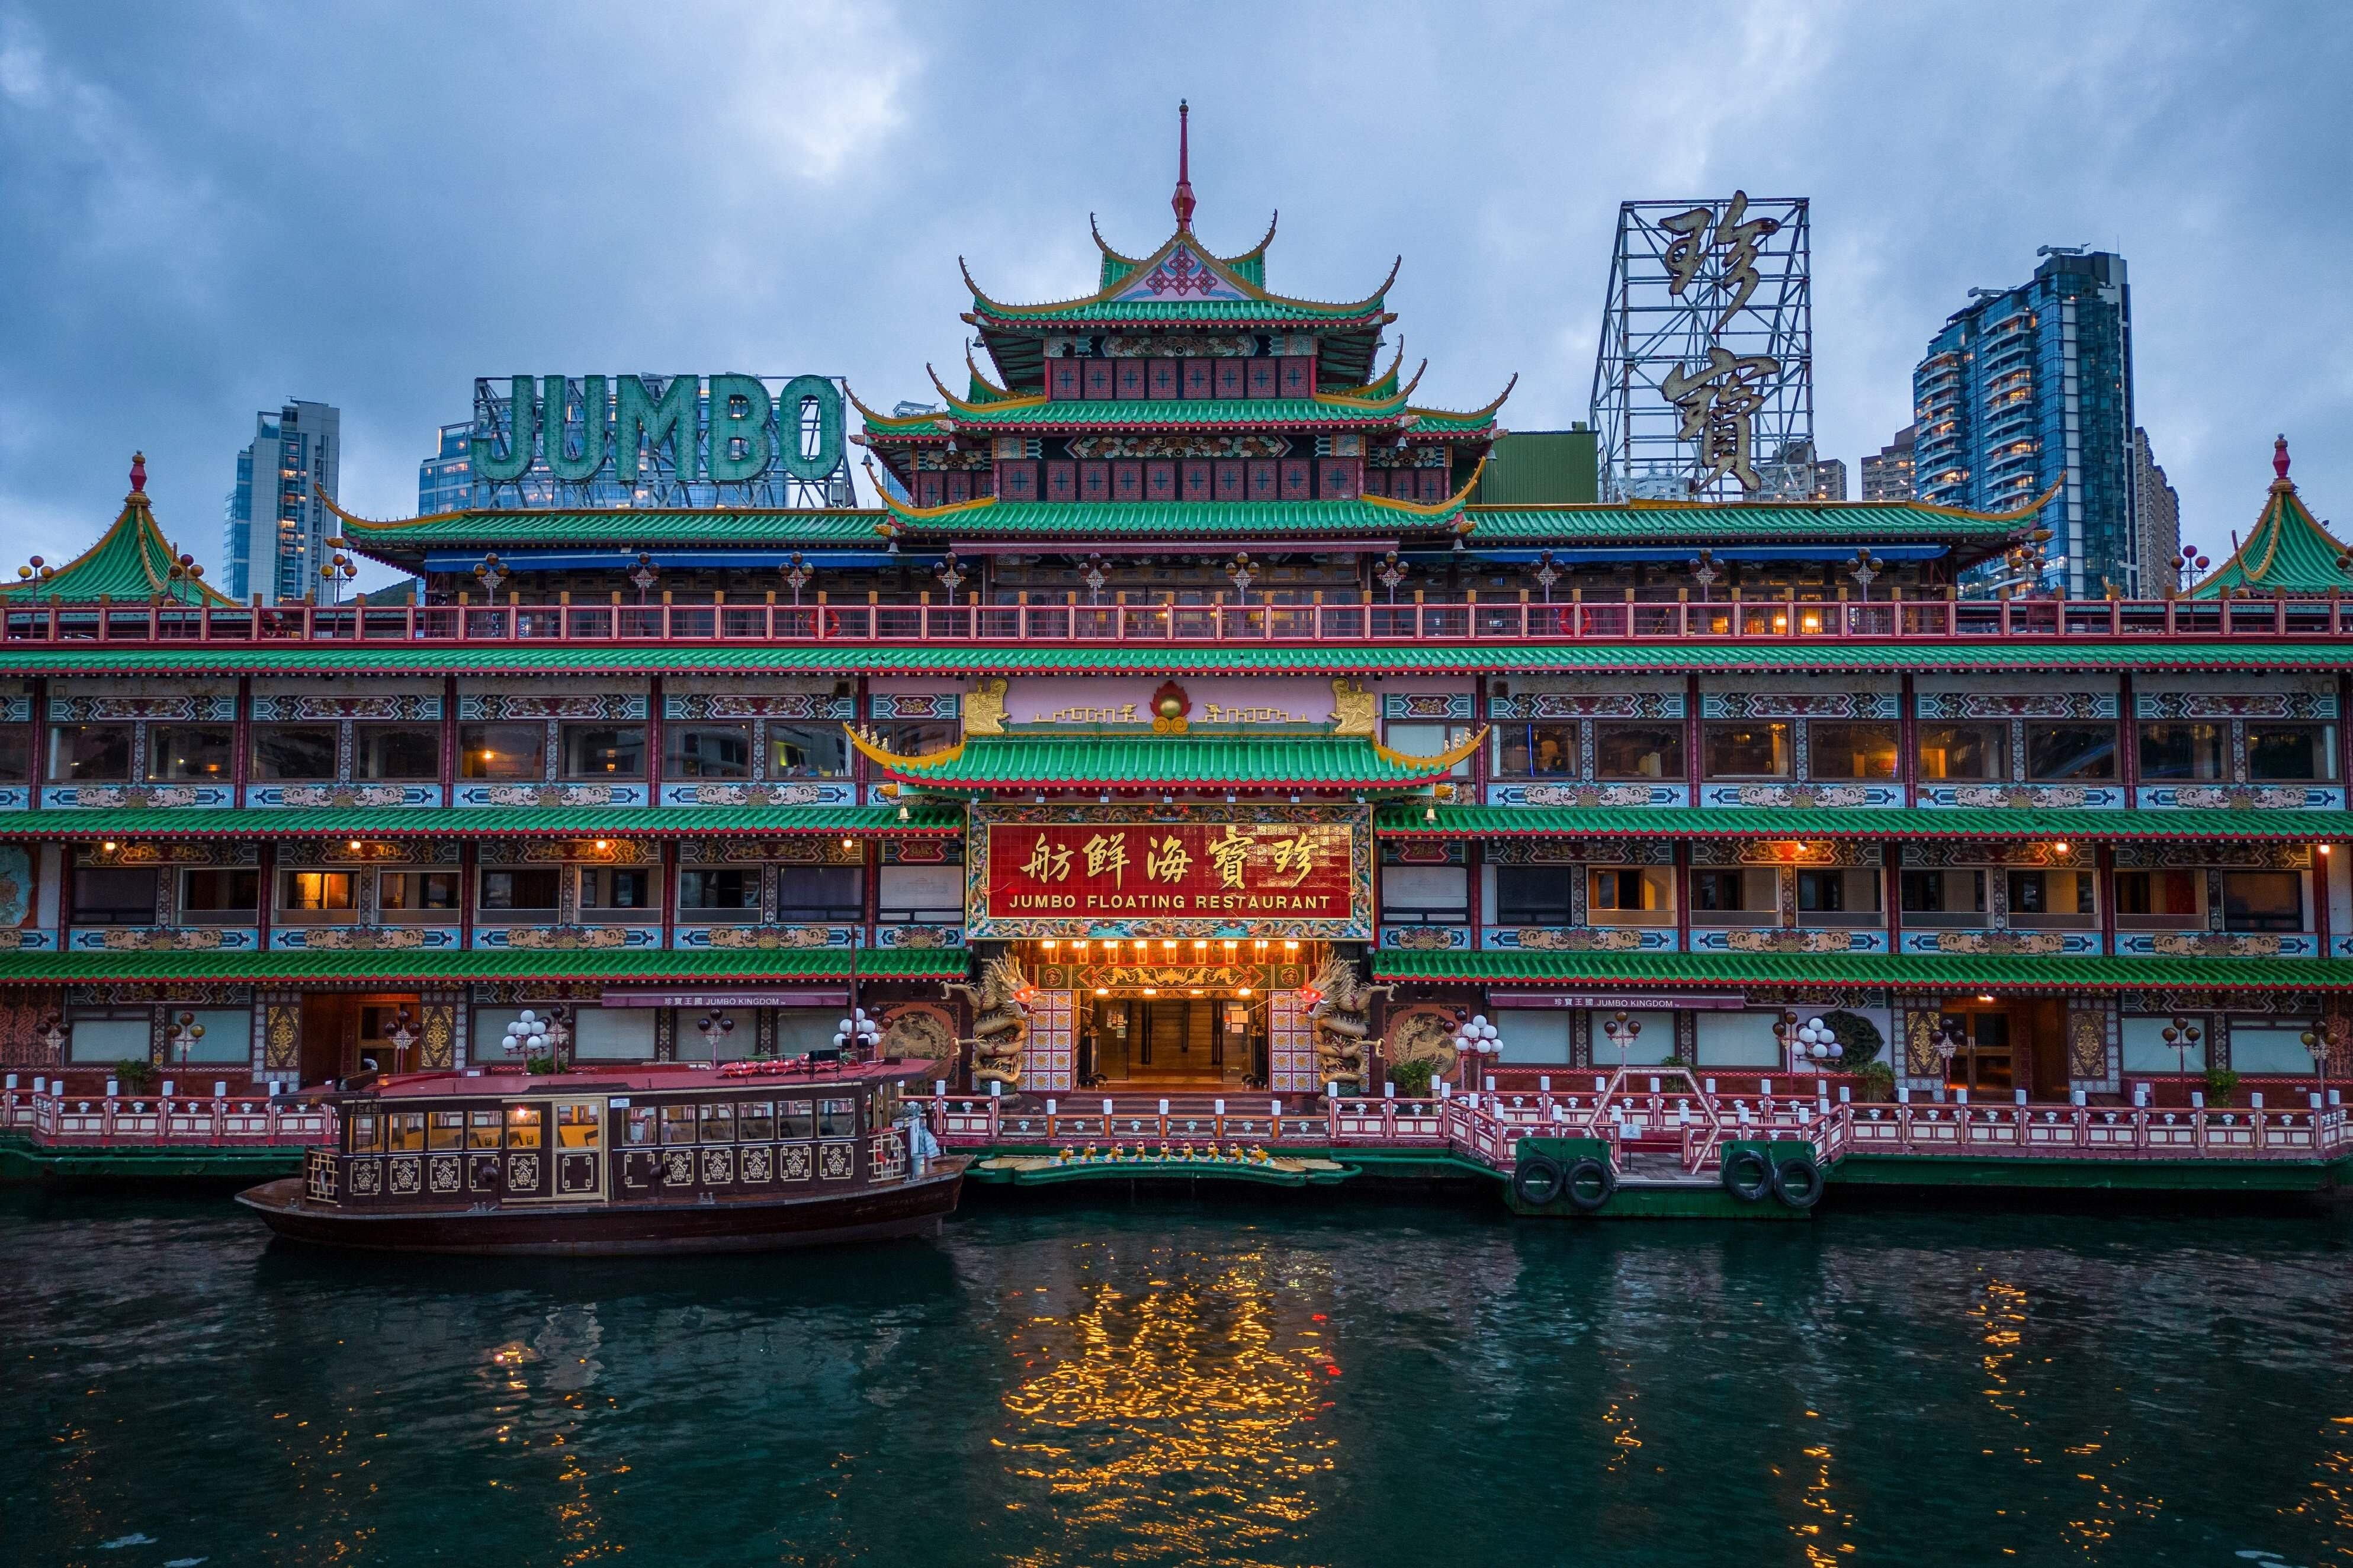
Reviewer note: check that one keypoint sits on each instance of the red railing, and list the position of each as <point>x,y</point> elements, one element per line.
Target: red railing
<point>1413,620</point>
<point>51,1120</point>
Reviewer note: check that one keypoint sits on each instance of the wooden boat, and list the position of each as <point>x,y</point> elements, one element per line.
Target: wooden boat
<point>751,1157</point>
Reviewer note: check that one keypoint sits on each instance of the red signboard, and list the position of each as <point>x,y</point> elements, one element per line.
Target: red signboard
<point>1306,874</point>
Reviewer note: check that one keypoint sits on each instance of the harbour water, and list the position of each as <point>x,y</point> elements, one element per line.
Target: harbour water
<point>1174,1381</point>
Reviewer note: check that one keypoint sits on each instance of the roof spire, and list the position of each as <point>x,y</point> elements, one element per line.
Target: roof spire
<point>2279,460</point>
<point>1183,200</point>
<point>138,473</point>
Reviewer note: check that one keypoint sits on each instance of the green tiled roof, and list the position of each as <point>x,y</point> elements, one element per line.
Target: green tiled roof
<point>624,528</point>
<point>1258,760</point>
<point>501,963</point>
<point>130,562</point>
<point>480,822</point>
<point>1903,973</point>
<point>1795,656</point>
<point>1361,519</point>
<point>2288,552</point>
<point>1411,821</point>
<point>1224,415</point>
<point>1669,522</point>
<point>1202,312</point>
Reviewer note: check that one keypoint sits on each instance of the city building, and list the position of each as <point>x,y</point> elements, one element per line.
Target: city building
<point>2028,392</point>
<point>2156,506</point>
<point>277,516</point>
<point>444,481</point>
<point>1190,734</point>
<point>1887,473</point>
<point>1829,480</point>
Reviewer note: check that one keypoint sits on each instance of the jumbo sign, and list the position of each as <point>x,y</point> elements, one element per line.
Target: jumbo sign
<point>1075,871</point>
<point>725,429</point>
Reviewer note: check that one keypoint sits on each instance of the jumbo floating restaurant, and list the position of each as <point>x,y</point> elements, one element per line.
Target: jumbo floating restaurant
<point>1183,758</point>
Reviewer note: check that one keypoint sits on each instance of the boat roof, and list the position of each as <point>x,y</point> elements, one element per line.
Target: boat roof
<point>492,1083</point>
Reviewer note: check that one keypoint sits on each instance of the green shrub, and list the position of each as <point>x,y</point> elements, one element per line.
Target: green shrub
<point>2222,1083</point>
<point>135,1073</point>
<point>1412,1079</point>
<point>1876,1081</point>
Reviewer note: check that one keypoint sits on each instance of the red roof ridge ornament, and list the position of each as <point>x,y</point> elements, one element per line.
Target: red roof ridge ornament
<point>138,473</point>
<point>1183,200</point>
<point>2279,460</point>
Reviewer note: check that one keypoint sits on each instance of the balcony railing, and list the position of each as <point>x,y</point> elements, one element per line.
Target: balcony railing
<point>1415,619</point>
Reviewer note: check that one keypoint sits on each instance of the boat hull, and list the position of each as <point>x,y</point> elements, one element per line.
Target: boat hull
<point>915,1208</point>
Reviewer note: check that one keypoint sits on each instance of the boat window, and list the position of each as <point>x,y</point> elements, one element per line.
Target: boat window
<point>794,1119</point>
<point>446,1129</point>
<point>482,1129</point>
<point>678,1123</point>
<point>524,1123</point>
<point>366,1134</point>
<point>719,1122</point>
<point>837,1118</point>
<point>640,1125</point>
<point>578,1125</point>
<point>756,1119</point>
<point>407,1131</point>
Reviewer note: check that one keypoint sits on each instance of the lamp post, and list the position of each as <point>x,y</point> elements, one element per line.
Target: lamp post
<point>1391,573</point>
<point>949,577</point>
<point>1705,572</point>
<point>1473,1038</point>
<point>1947,1043</point>
<point>857,1037</point>
<point>645,574</point>
<point>2325,1041</point>
<point>1622,1031</point>
<point>796,576</point>
<point>1864,568</point>
<point>1812,1041</point>
<point>1094,578</point>
<point>490,571</point>
<point>1241,572</point>
<point>403,1035</point>
<point>2181,1034</point>
<point>185,1033</point>
<point>715,1028</point>
<point>526,1036</point>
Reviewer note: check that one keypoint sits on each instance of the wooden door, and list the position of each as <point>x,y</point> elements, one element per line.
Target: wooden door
<point>576,1149</point>
<point>330,1038</point>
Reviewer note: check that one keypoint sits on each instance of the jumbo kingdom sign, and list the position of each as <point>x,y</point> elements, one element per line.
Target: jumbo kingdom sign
<point>1207,871</point>
<point>657,441</point>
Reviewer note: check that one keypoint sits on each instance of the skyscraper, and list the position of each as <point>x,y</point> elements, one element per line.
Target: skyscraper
<point>276,526</point>
<point>1887,473</point>
<point>444,481</point>
<point>2029,388</point>
<point>2158,506</point>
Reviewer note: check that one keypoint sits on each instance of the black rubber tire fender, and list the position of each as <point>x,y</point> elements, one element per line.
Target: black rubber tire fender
<point>1538,1181</point>
<point>1590,1185</point>
<point>1797,1182</point>
<point>1747,1175</point>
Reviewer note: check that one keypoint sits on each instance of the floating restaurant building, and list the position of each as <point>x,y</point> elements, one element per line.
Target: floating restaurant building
<point>1192,728</point>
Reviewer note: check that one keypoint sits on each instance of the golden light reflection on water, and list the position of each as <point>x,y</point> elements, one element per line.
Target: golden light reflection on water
<point>539,1395</point>
<point>1186,1417</point>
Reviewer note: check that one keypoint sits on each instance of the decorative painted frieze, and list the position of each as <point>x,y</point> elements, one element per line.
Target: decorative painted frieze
<point>1455,706</point>
<point>1829,796</point>
<point>326,796</point>
<point>1628,796</point>
<point>1799,705</point>
<point>136,797</point>
<point>913,704</point>
<point>766,938</point>
<point>364,939</point>
<point>484,706</point>
<point>166,939</point>
<point>277,707</point>
<point>795,792</point>
<point>1986,942</point>
<point>526,795</point>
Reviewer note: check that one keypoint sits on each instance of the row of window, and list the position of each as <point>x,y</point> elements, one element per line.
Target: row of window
<point>1203,480</point>
<point>2054,751</point>
<point>1165,380</point>
<point>1543,896</point>
<point>217,895</point>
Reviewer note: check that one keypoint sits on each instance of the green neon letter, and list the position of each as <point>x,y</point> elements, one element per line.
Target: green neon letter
<point>641,421</point>
<point>821,463</point>
<point>521,424</point>
<point>727,428</point>
<point>593,415</point>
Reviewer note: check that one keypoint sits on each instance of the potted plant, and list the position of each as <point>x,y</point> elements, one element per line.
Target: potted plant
<point>1411,1079</point>
<point>136,1074</point>
<point>1875,1082</point>
<point>2222,1083</point>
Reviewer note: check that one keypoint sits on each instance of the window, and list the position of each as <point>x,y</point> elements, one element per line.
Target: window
<point>2146,1050</point>
<point>502,751</point>
<point>2158,897</point>
<point>445,1129</point>
<point>1964,753</point>
<point>810,751</point>
<point>820,893</point>
<point>718,1122</point>
<point>524,1123</point>
<point>89,753</point>
<point>796,1118</point>
<point>1539,1038</point>
<point>1842,892</point>
<point>616,888</point>
<point>707,752</point>
<point>1535,750</point>
<point>604,751</point>
<point>1845,751</point>
<point>1638,751</point>
<point>2182,750</point>
<point>395,752</point>
<point>114,895</point>
<point>2270,1045</point>
<point>837,1118</point>
<point>1712,891</point>
<point>1945,893</point>
<point>186,753</point>
<point>678,1123</point>
<point>755,1120</point>
<point>2262,900</point>
<point>1425,895</point>
<point>928,895</point>
<point>324,893</point>
<point>227,1036</point>
<point>2291,753</point>
<point>518,891</point>
<point>1745,749</point>
<point>16,753</point>
<point>109,1034</point>
<point>1534,895</point>
<point>1737,1040</point>
<point>293,752</point>
<point>405,1132</point>
<point>219,895</point>
<point>2062,751</point>
<point>1642,896</point>
<point>2053,893</point>
<point>481,1129</point>
<point>415,895</point>
<point>1429,738</point>
<point>614,1034</point>
<point>718,892</point>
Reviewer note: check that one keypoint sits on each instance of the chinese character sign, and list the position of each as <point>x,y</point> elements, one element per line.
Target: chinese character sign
<point>1067,870</point>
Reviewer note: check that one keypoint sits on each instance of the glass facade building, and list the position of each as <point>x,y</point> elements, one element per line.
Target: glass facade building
<point>2030,388</point>
<point>444,481</point>
<point>275,526</point>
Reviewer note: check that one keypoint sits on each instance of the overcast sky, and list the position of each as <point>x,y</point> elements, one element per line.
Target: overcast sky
<point>207,209</point>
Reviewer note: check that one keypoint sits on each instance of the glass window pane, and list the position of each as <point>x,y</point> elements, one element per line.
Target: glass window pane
<point>183,754</point>
<point>522,888</point>
<point>2064,752</point>
<point>399,751</point>
<point>2184,751</point>
<point>604,751</point>
<point>1623,751</point>
<point>1852,750</point>
<point>16,752</point>
<point>502,751</point>
<point>1746,749</point>
<point>2291,753</point>
<point>89,753</point>
<point>1964,753</point>
<point>707,752</point>
<point>2262,900</point>
<point>114,895</point>
<point>294,752</point>
<point>819,751</point>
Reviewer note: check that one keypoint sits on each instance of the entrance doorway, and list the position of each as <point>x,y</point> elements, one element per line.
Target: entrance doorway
<point>1200,1042</point>
<point>342,1032</point>
<point>2019,1042</point>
